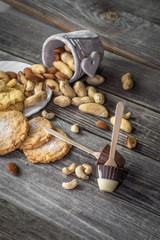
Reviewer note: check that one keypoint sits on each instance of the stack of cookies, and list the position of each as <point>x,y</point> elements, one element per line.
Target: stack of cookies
<point>38,145</point>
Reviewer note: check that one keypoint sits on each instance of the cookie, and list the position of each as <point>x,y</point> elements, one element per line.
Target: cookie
<point>51,151</point>
<point>2,85</point>
<point>10,96</point>
<point>13,130</point>
<point>4,77</point>
<point>37,136</point>
<point>19,106</point>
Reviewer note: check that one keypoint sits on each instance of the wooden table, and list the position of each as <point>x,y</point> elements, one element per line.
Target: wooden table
<point>33,205</point>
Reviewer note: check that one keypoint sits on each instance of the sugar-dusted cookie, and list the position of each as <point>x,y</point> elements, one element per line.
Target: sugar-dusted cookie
<point>51,151</point>
<point>13,130</point>
<point>2,85</point>
<point>19,106</point>
<point>4,76</point>
<point>37,136</point>
<point>10,96</point>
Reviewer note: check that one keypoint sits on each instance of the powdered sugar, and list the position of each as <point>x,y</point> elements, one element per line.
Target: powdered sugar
<point>5,129</point>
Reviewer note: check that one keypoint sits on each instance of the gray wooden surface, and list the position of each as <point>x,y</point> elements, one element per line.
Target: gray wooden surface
<point>33,205</point>
<point>133,34</point>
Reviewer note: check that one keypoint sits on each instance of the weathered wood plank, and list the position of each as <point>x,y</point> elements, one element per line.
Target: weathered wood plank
<point>129,35</point>
<point>85,207</point>
<point>144,130</point>
<point>135,192</point>
<point>112,67</point>
<point>15,223</point>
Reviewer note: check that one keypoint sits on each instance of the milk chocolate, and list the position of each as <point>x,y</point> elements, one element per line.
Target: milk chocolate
<point>109,172</point>
<point>120,161</point>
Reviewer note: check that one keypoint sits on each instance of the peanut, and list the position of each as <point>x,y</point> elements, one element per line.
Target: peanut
<point>67,58</point>
<point>99,98</point>
<point>127,81</point>
<point>80,89</point>
<point>66,89</point>
<point>62,101</point>
<point>67,48</point>
<point>96,80</point>
<point>91,91</point>
<point>76,101</point>
<point>64,68</point>
<point>125,124</point>
<point>94,109</point>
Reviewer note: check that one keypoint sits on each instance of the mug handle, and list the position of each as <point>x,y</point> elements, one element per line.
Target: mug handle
<point>90,64</point>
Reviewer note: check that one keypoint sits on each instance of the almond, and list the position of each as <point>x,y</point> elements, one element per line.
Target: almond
<point>52,70</point>
<point>40,75</point>
<point>27,72</point>
<point>102,125</point>
<point>28,94</point>
<point>34,78</point>
<point>12,74</point>
<point>56,56</point>
<point>49,75</point>
<point>59,50</point>
<point>12,168</point>
<point>61,76</point>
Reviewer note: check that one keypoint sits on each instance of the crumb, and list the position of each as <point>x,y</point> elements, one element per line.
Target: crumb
<point>26,163</point>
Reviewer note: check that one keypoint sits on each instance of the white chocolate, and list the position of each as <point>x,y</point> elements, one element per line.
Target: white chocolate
<point>107,185</point>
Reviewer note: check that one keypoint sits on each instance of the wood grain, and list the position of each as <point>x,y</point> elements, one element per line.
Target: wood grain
<point>46,198</point>
<point>44,210</point>
<point>15,223</point>
<point>20,44</point>
<point>130,35</point>
<point>147,133</point>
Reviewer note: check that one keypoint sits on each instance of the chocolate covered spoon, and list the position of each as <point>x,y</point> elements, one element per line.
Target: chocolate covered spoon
<point>118,118</point>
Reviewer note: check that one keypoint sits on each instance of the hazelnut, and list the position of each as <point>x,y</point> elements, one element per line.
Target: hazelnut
<point>130,142</point>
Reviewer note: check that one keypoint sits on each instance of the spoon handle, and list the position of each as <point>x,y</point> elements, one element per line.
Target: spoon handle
<point>116,127</point>
<point>68,140</point>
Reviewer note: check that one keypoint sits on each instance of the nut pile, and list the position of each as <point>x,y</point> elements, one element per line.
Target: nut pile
<point>81,171</point>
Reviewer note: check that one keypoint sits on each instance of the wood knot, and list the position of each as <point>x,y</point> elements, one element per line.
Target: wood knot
<point>111,15</point>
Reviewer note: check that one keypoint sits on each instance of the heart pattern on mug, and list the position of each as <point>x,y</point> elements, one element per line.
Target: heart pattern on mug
<point>90,64</point>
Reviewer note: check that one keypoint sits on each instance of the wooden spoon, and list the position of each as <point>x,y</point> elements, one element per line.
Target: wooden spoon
<point>68,140</point>
<point>116,127</point>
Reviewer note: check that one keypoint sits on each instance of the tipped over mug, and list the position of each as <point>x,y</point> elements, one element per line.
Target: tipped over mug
<point>85,46</point>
